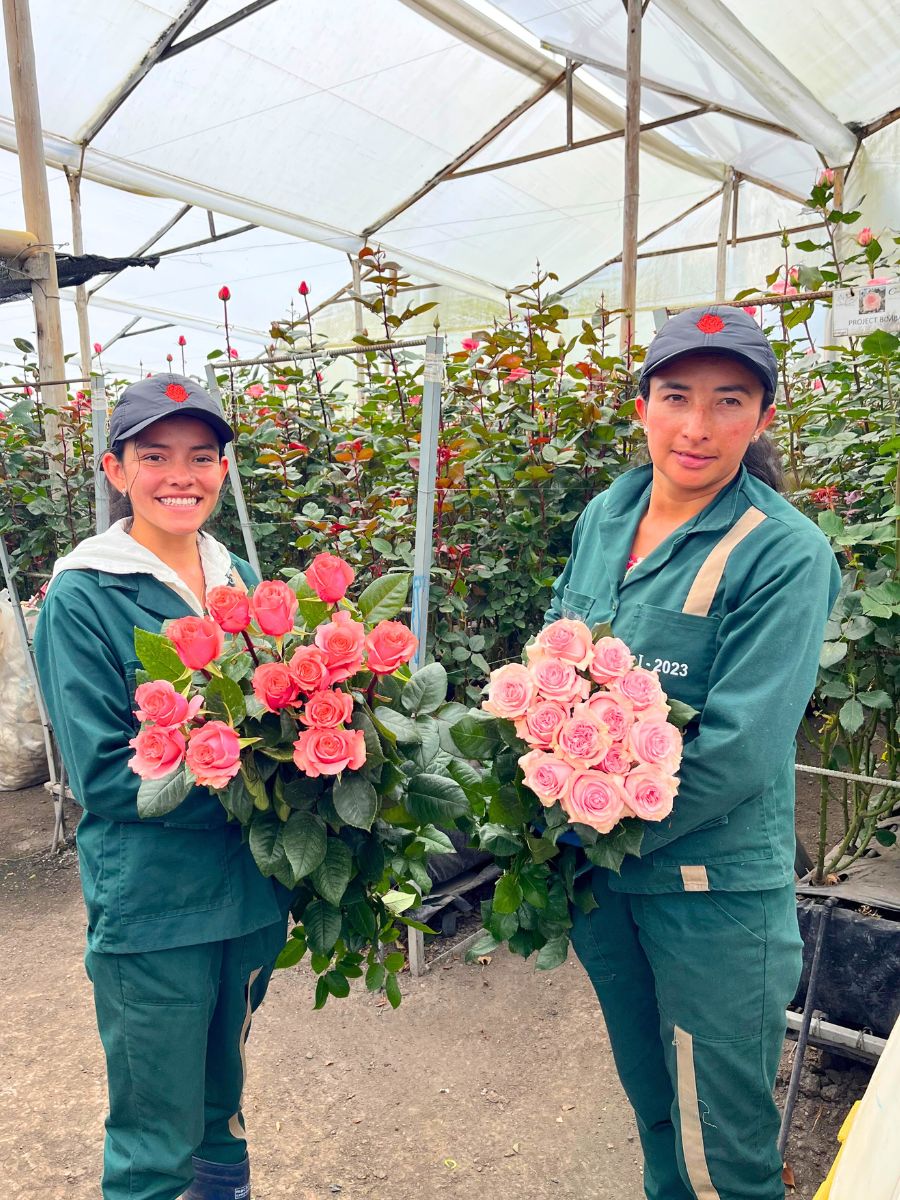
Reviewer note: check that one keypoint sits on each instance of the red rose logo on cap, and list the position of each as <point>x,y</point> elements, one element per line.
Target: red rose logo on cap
<point>710,323</point>
<point>177,393</point>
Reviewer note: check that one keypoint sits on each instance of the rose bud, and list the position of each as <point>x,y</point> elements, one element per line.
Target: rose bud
<point>229,607</point>
<point>273,606</point>
<point>197,640</point>
<point>224,293</point>
<point>329,577</point>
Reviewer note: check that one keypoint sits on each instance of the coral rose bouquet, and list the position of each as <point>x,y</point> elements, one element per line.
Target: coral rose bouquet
<point>584,747</point>
<point>297,708</point>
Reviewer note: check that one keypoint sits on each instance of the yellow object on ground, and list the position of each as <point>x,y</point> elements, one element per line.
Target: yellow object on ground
<point>867,1166</point>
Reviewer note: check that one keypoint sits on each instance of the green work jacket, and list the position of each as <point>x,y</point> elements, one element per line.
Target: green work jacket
<point>177,880</point>
<point>734,632</point>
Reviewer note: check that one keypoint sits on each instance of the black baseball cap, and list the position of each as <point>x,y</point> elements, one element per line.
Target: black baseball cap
<point>161,396</point>
<point>720,330</point>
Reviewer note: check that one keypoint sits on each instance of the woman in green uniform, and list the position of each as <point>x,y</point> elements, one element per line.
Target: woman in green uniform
<point>715,581</point>
<point>183,930</point>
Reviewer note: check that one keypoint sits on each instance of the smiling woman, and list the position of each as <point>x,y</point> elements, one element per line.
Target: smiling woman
<point>181,923</point>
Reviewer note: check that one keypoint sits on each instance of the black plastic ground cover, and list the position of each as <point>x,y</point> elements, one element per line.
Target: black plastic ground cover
<point>859,978</point>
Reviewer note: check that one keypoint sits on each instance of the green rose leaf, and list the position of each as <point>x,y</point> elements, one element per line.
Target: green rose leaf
<point>225,700</point>
<point>375,977</point>
<point>392,991</point>
<point>337,983</point>
<point>435,840</point>
<point>541,849</point>
<point>499,840</point>
<point>400,728</point>
<point>156,797</point>
<point>485,945</point>
<point>832,653</point>
<point>681,714</point>
<point>426,691</point>
<point>331,876</point>
<point>266,845</point>
<point>507,894</point>
<point>374,752</point>
<point>355,800</point>
<point>237,800</point>
<point>291,954</point>
<point>435,800</point>
<point>305,843</point>
<point>322,922</point>
<point>476,736</point>
<point>398,902</point>
<point>851,715</point>
<point>383,599</point>
<point>159,657</point>
<point>553,953</point>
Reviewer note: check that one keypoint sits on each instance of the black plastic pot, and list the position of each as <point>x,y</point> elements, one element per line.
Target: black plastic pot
<point>859,977</point>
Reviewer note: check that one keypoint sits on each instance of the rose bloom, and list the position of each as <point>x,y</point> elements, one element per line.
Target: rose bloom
<point>329,751</point>
<point>214,754</point>
<point>159,702</point>
<point>639,686</point>
<point>583,740</point>
<point>388,645</point>
<point>616,713</point>
<point>649,792</point>
<point>557,680</point>
<point>595,799</point>
<point>657,743</point>
<point>540,723</point>
<point>342,641</point>
<point>611,660</point>
<point>617,760</point>
<point>328,709</point>
<point>546,775</point>
<point>329,577</point>
<point>569,641</point>
<point>309,667</point>
<point>864,237</point>
<point>275,685</point>
<point>157,751</point>
<point>273,605</point>
<point>229,607</point>
<point>197,640</point>
<point>509,692</point>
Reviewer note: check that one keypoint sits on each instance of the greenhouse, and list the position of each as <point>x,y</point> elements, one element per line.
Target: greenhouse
<point>513,583</point>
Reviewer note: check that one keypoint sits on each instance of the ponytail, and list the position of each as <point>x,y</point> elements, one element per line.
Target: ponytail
<point>763,460</point>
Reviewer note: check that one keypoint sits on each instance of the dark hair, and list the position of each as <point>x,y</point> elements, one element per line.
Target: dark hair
<point>762,457</point>
<point>119,502</point>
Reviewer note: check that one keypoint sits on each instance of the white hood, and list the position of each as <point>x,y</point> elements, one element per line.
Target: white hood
<point>117,553</point>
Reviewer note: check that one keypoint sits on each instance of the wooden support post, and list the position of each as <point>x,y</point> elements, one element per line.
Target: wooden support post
<point>722,242</point>
<point>36,198</point>
<point>632,171</point>
<point>358,322</point>
<point>81,292</point>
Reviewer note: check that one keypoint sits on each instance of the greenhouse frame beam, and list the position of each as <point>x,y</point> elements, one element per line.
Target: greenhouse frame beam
<point>486,138</point>
<point>715,29</point>
<point>477,29</point>
<point>613,135</point>
<point>169,317</point>
<point>219,27</point>
<point>653,85</point>
<point>147,63</point>
<point>215,237</point>
<point>879,123</point>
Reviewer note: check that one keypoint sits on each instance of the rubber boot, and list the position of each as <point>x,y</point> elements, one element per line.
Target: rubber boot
<point>219,1181</point>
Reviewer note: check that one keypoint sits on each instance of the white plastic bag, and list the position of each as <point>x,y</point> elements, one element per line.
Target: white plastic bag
<point>23,761</point>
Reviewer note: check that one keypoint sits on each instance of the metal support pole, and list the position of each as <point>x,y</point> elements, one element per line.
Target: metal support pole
<point>424,550</point>
<point>803,1036</point>
<point>57,789</point>
<point>632,171</point>
<point>234,475</point>
<point>570,135</point>
<point>722,242</point>
<point>98,433</point>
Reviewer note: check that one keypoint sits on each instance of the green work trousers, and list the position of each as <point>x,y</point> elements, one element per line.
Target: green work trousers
<point>173,1025</point>
<point>693,987</point>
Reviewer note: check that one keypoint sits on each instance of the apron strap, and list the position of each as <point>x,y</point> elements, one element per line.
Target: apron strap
<point>700,597</point>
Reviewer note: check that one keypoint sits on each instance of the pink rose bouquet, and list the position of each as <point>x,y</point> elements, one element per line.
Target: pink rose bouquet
<point>297,707</point>
<point>583,746</point>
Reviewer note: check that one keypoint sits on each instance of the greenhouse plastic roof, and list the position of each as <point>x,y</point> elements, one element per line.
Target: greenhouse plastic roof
<point>324,125</point>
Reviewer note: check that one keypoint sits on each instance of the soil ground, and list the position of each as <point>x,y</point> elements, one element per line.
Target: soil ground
<point>489,1081</point>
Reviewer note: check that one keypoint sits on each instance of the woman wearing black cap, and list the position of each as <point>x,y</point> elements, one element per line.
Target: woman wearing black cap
<point>719,584</point>
<point>183,930</point>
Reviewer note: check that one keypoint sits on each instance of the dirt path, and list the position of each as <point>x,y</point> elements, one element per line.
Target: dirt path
<point>486,1083</point>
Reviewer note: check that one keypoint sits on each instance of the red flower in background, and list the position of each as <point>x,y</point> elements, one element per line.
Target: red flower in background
<point>225,293</point>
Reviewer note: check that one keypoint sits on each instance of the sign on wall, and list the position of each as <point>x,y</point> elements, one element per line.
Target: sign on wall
<point>862,309</point>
